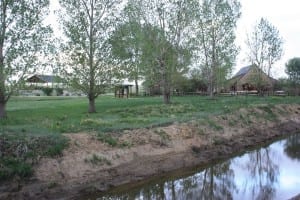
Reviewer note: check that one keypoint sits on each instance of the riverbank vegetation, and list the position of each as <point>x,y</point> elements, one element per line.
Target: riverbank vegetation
<point>36,125</point>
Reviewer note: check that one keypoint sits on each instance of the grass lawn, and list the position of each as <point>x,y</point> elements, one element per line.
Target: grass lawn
<point>44,115</point>
<point>34,124</point>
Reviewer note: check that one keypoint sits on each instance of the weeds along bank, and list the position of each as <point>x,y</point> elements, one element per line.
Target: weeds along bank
<point>35,126</point>
<point>100,160</point>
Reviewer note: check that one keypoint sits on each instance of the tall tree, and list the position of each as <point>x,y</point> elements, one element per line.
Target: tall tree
<point>22,39</point>
<point>165,34</point>
<point>126,49</point>
<point>215,39</point>
<point>265,45</point>
<point>87,26</point>
<point>292,68</point>
<point>163,62</point>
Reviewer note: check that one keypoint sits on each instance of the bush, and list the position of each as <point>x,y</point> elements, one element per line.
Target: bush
<point>59,91</point>
<point>47,91</point>
<point>18,152</point>
<point>13,166</point>
<point>108,139</point>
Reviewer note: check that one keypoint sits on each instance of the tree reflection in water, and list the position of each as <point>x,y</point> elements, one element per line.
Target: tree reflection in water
<point>255,175</point>
<point>216,182</point>
<point>264,174</point>
<point>292,147</point>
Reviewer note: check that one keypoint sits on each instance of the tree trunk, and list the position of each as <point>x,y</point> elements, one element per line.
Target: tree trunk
<point>211,88</point>
<point>167,98</point>
<point>3,96</point>
<point>92,107</point>
<point>136,87</point>
<point>211,188</point>
<point>166,91</point>
<point>165,85</point>
<point>2,110</point>
<point>213,67</point>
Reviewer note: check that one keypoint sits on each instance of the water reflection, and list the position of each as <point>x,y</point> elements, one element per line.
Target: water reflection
<point>262,174</point>
<point>292,147</point>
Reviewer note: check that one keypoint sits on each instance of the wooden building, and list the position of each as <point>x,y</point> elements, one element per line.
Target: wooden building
<point>123,90</point>
<point>251,78</point>
<point>45,81</point>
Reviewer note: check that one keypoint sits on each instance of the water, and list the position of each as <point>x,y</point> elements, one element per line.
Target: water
<point>271,172</point>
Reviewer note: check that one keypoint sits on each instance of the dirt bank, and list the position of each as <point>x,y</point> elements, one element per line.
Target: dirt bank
<point>89,165</point>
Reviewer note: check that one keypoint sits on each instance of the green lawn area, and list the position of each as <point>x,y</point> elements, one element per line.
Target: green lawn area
<point>43,115</point>
<point>34,124</point>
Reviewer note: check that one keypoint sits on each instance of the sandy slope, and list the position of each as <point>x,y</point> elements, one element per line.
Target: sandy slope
<point>151,152</point>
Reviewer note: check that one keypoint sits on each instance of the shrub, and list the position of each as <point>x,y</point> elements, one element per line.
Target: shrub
<point>59,91</point>
<point>13,166</point>
<point>108,139</point>
<point>18,152</point>
<point>47,91</point>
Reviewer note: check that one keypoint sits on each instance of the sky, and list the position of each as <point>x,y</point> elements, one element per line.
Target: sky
<point>283,14</point>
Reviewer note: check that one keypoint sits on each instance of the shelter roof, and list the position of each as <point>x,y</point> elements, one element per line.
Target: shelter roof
<point>243,71</point>
<point>44,79</point>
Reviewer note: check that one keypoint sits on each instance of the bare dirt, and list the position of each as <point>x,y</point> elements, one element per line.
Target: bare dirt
<point>89,165</point>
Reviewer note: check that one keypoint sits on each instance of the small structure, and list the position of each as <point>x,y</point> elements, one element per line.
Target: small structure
<point>250,78</point>
<point>38,85</point>
<point>45,80</point>
<point>123,90</point>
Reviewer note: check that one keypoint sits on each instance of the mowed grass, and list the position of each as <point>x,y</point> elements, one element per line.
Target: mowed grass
<point>44,115</point>
<point>35,125</point>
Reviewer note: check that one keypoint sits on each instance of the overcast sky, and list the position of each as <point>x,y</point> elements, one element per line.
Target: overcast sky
<point>283,14</point>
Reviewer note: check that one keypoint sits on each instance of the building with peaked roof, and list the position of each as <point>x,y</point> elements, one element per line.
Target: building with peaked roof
<point>44,79</point>
<point>251,78</point>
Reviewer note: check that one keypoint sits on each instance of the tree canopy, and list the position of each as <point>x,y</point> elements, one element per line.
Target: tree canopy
<point>88,26</point>
<point>23,39</point>
<point>215,39</point>
<point>126,46</point>
<point>265,45</point>
<point>292,68</point>
<point>163,46</point>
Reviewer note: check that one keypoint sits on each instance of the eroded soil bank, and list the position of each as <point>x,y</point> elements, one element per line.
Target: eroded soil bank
<point>89,165</point>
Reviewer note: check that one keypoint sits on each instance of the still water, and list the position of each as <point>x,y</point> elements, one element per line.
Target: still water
<point>271,172</point>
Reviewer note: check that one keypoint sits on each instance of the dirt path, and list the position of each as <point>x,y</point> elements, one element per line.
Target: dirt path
<point>89,165</point>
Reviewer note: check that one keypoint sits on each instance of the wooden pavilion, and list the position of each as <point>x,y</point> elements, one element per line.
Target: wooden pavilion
<point>123,90</point>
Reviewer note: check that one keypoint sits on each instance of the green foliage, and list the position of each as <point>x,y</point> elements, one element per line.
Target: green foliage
<point>36,123</point>
<point>215,42</point>
<point>107,138</point>
<point>214,125</point>
<point>55,146</point>
<point>19,151</point>
<point>92,122</point>
<point>265,45</point>
<point>47,91</point>
<point>59,91</point>
<point>126,44</point>
<point>10,167</point>
<point>245,119</point>
<point>268,113</point>
<point>153,110</point>
<point>292,68</point>
<point>22,35</point>
<point>87,26</point>
<point>158,44</point>
<point>45,115</point>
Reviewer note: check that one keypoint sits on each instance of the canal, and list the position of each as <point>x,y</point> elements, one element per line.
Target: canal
<point>269,172</point>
